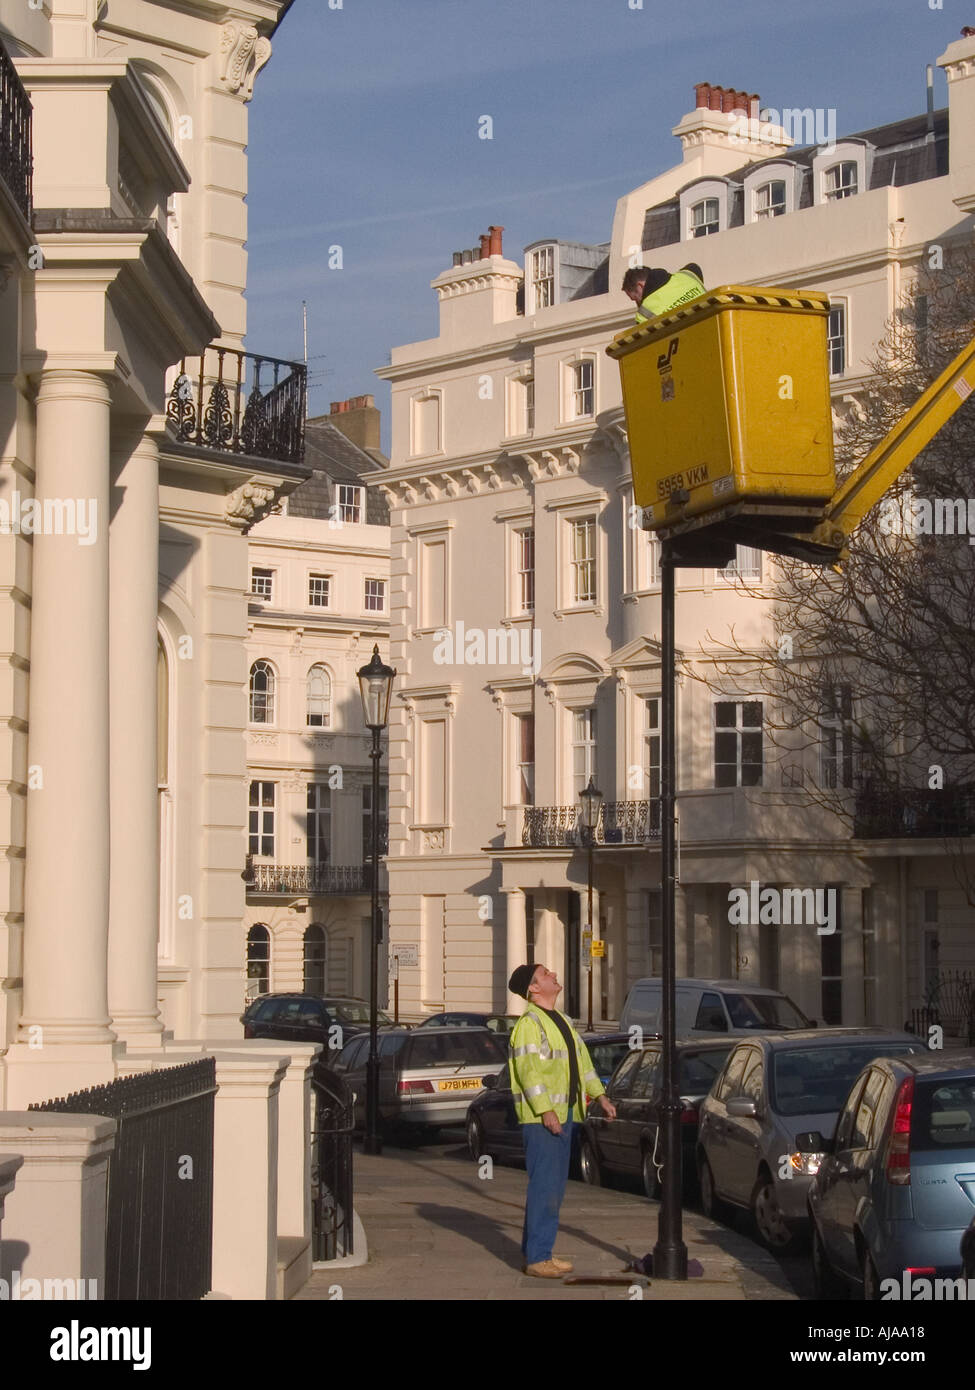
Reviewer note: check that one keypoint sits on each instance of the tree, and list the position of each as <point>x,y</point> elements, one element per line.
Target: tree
<point>872,667</point>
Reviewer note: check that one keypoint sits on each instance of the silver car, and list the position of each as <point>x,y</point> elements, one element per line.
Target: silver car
<point>773,1088</point>
<point>427,1076</point>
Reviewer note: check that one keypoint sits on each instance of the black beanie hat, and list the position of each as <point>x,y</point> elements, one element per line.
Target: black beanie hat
<point>521,978</point>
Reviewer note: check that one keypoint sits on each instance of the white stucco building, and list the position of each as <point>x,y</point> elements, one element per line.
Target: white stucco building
<point>319,602</point>
<point>512,531</point>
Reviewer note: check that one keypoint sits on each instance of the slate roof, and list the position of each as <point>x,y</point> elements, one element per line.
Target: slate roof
<point>901,155</point>
<point>335,459</point>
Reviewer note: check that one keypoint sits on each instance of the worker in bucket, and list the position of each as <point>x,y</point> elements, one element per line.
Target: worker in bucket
<point>656,291</point>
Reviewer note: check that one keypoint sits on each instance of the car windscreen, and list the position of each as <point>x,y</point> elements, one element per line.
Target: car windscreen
<point>606,1056</point>
<point>698,1069</point>
<point>943,1114</point>
<point>352,1011</point>
<point>764,1011</point>
<point>468,1048</point>
<point>816,1080</point>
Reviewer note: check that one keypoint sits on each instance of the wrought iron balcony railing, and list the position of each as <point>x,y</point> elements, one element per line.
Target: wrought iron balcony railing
<point>620,823</point>
<point>315,879</point>
<point>16,154</point>
<point>240,403</point>
<point>884,813</point>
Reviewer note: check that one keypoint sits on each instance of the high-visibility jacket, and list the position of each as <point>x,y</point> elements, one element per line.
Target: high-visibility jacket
<point>538,1062</point>
<point>681,288</point>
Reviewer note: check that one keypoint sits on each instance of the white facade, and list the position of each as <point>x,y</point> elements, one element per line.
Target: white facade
<point>510,425</point>
<point>308,753</point>
<point>125,792</point>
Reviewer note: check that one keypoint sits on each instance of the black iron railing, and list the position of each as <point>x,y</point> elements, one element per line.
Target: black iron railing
<point>160,1179</point>
<point>908,812</point>
<point>331,1174</point>
<point>327,879</point>
<point>949,1004</point>
<point>620,823</point>
<point>239,403</point>
<point>16,154</point>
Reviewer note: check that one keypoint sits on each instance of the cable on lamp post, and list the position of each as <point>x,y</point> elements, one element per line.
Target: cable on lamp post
<point>590,809</point>
<point>375,689</point>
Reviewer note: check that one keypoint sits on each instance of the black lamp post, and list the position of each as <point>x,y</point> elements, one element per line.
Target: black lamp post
<point>375,688</point>
<point>590,807</point>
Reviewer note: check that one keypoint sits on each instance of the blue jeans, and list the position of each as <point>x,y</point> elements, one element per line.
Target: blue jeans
<point>547,1160</point>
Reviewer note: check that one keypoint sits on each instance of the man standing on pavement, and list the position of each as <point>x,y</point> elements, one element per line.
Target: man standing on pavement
<point>551,1076</point>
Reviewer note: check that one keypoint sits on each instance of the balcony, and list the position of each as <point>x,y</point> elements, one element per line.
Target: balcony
<point>309,880</point>
<point>239,403</point>
<point>16,156</point>
<point>884,813</point>
<point>620,823</point>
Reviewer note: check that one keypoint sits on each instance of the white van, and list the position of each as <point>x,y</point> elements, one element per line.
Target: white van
<point>713,1006</point>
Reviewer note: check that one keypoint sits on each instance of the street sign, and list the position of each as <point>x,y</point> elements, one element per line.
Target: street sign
<point>406,955</point>
<point>395,968</point>
<point>599,948</point>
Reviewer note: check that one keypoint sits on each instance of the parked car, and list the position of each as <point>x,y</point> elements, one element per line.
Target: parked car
<point>895,1188</point>
<point>426,1075</point>
<point>492,1125</point>
<point>498,1023</point>
<point>773,1088</point>
<point>626,1146</point>
<point>712,1006</point>
<point>308,1018</point>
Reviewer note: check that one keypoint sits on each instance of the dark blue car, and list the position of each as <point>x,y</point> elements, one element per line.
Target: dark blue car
<point>492,1126</point>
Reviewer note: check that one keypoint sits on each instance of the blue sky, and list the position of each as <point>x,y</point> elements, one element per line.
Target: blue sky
<point>364,134</point>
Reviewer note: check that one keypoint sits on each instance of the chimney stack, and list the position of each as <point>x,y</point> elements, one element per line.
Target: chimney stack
<point>358,419</point>
<point>494,245</point>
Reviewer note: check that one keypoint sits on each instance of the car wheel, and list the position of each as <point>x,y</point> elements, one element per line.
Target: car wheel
<point>711,1203</point>
<point>871,1283</point>
<point>648,1170</point>
<point>475,1139</point>
<point>829,1285</point>
<point>589,1164</point>
<point>773,1229</point>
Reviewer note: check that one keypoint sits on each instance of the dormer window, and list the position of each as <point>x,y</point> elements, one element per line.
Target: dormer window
<point>704,208</point>
<point>843,171</point>
<point>541,278</point>
<point>704,217</point>
<point>770,200</point>
<point>840,181</point>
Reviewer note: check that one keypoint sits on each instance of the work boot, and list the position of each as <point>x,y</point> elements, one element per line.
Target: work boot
<point>545,1269</point>
<point>566,1266</point>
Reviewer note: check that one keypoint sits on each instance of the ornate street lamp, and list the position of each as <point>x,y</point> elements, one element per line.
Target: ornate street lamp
<point>375,688</point>
<point>590,809</point>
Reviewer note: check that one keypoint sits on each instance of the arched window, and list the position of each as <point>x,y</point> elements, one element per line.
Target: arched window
<point>258,961</point>
<point>319,698</point>
<point>314,976</point>
<point>262,693</point>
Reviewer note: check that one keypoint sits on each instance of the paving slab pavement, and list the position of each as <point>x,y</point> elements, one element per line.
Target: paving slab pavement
<point>437,1230</point>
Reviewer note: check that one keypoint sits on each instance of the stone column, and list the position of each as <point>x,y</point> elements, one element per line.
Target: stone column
<point>64,1041</point>
<point>517,944</point>
<point>133,930</point>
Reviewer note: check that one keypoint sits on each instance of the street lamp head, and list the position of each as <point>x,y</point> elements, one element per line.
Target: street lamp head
<point>375,688</point>
<point>590,804</point>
